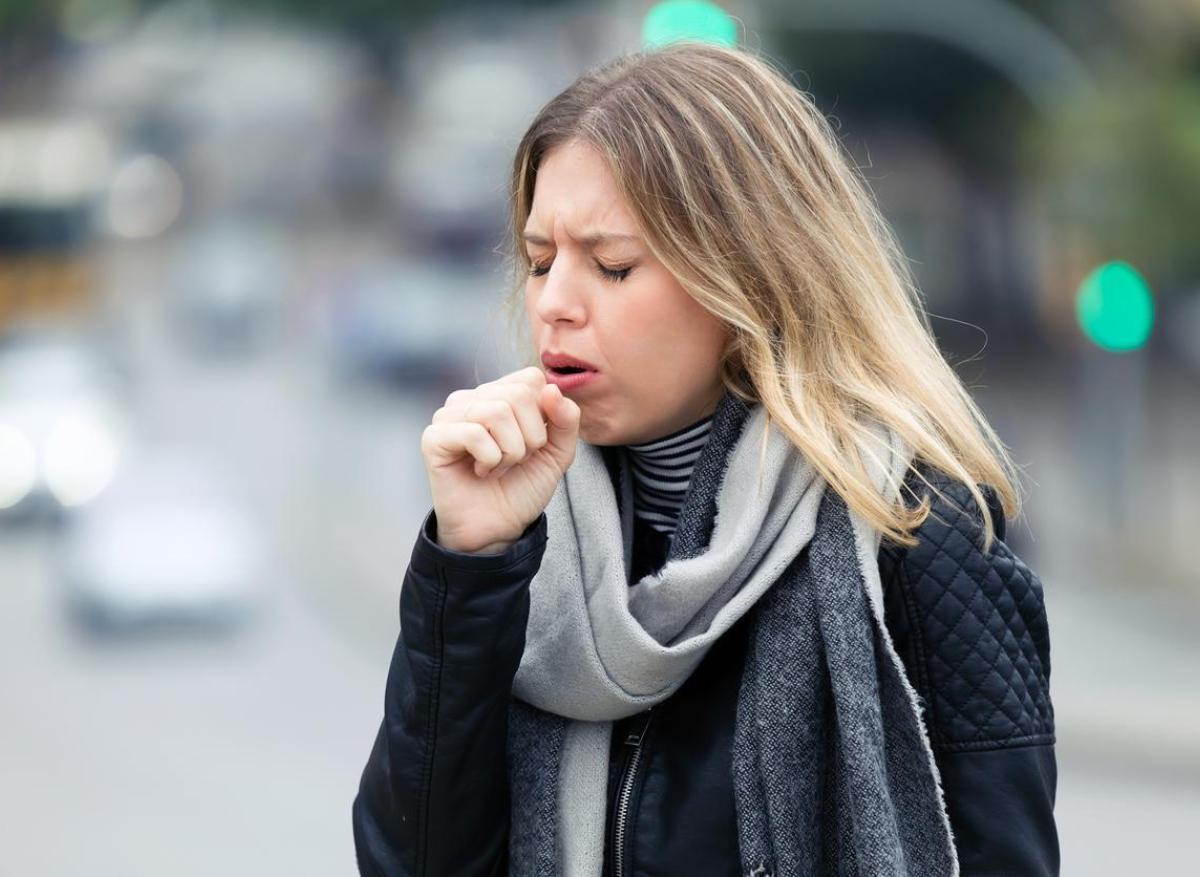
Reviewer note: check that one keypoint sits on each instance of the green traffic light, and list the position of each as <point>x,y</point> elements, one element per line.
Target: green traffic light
<point>688,20</point>
<point>1115,308</point>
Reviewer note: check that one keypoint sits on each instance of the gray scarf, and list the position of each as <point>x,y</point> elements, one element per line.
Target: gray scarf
<point>833,771</point>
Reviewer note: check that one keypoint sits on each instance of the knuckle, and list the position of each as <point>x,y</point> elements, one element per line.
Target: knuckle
<point>429,438</point>
<point>519,395</point>
<point>485,409</point>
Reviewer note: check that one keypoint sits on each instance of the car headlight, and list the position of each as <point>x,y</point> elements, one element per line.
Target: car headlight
<point>18,465</point>
<point>81,457</point>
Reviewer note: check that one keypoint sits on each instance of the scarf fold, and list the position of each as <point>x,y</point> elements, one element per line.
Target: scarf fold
<point>833,772</point>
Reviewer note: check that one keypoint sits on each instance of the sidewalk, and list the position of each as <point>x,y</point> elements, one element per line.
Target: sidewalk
<point>1125,673</point>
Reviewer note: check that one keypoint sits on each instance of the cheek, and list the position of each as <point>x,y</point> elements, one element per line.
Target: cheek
<point>527,301</point>
<point>666,325</point>
<point>644,331</point>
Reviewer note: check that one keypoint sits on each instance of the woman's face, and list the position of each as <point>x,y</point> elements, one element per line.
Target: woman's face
<point>596,293</point>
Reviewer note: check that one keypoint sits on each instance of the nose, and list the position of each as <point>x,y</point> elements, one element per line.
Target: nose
<point>560,297</point>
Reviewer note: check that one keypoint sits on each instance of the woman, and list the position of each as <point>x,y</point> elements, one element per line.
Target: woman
<point>719,586</point>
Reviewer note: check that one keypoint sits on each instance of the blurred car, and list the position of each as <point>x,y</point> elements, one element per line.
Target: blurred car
<point>232,279</point>
<point>170,543</point>
<point>62,421</point>
<point>411,325</point>
<point>470,99</point>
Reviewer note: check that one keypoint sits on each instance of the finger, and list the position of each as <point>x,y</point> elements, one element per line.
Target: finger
<point>444,444</point>
<point>562,424</point>
<point>523,400</point>
<point>459,398</point>
<point>531,375</point>
<point>501,421</point>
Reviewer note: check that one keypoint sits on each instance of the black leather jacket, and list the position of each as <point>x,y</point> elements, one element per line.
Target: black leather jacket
<point>970,628</point>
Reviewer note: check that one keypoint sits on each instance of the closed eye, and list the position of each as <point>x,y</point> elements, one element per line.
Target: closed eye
<point>613,274</point>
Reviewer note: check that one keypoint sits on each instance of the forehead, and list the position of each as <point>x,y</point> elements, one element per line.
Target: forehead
<point>575,187</point>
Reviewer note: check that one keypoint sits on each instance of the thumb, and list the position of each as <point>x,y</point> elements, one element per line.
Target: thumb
<point>562,423</point>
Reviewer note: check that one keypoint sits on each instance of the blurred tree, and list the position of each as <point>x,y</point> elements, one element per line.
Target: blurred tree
<point>378,25</point>
<point>1124,169</point>
<point>368,19</point>
<point>16,10</point>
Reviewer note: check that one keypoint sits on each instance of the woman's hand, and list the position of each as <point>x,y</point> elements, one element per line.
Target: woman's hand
<point>494,456</point>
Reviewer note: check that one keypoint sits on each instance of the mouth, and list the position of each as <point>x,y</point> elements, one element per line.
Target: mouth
<point>564,363</point>
<point>569,377</point>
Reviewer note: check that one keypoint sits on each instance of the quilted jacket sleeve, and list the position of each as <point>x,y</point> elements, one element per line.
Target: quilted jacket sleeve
<point>433,799</point>
<point>972,631</point>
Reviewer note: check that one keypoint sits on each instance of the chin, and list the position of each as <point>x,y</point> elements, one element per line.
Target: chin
<point>591,436</point>
<point>595,433</point>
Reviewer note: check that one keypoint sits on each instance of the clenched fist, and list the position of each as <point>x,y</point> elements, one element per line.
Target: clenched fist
<point>494,456</point>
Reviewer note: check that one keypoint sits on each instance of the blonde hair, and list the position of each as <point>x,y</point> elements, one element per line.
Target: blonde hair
<point>745,195</point>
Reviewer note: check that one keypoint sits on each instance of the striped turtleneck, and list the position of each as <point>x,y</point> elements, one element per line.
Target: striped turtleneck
<point>661,471</point>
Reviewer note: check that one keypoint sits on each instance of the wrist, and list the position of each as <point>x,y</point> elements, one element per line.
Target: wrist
<point>461,551</point>
<point>490,548</point>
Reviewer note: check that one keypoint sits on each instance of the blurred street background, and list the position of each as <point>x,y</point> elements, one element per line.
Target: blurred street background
<point>248,246</point>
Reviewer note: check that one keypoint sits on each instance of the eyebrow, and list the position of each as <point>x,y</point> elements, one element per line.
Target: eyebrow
<point>589,240</point>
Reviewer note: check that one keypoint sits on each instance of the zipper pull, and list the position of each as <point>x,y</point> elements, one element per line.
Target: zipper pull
<point>636,733</point>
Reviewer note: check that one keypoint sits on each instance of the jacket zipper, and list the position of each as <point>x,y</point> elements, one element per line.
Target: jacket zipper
<point>625,794</point>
